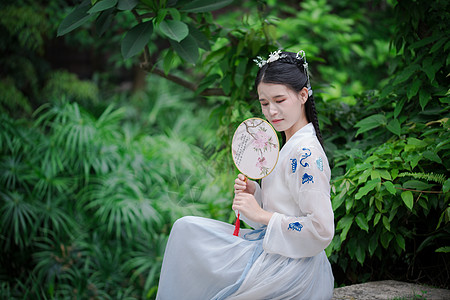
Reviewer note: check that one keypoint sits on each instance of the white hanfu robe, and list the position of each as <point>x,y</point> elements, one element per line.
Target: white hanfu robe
<point>283,260</point>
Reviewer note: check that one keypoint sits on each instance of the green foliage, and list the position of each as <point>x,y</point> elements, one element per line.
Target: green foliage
<point>87,201</point>
<point>391,202</point>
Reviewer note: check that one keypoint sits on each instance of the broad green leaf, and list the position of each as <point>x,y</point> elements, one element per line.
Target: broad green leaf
<point>417,185</point>
<point>394,127</point>
<point>385,174</point>
<point>373,244</point>
<point>362,222</point>
<point>198,6</point>
<point>386,223</point>
<point>168,61</point>
<point>385,239</point>
<point>445,249</point>
<point>175,30</point>
<point>431,68</point>
<point>136,39</point>
<point>344,224</point>
<point>398,107</point>
<point>360,254</point>
<point>104,21</point>
<point>414,88</point>
<point>102,5</point>
<point>432,156</point>
<point>400,241</point>
<point>200,38</point>
<point>75,19</point>
<point>187,49</point>
<point>446,186</point>
<point>370,185</point>
<point>376,219</point>
<point>408,199</point>
<point>406,73</point>
<point>424,98</point>
<point>127,4</point>
<point>390,187</point>
<point>369,123</point>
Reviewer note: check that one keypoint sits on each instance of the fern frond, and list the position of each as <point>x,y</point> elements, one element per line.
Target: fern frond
<point>439,178</point>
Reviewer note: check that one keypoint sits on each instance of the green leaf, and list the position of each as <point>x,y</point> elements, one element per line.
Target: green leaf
<point>424,98</point>
<point>362,222</point>
<point>431,68</point>
<point>369,123</point>
<point>385,239</point>
<point>200,38</point>
<point>394,127</point>
<point>414,88</point>
<point>136,39</point>
<point>376,219</point>
<point>406,74</point>
<point>75,19</point>
<point>104,21</point>
<point>344,223</point>
<point>198,6</point>
<point>417,185</point>
<point>432,156</point>
<point>445,249</point>
<point>386,223</point>
<point>400,241</point>
<point>446,186</point>
<point>168,61</point>
<point>373,244</point>
<point>408,199</point>
<point>187,49</point>
<point>390,187</point>
<point>370,185</point>
<point>127,4</point>
<point>175,30</point>
<point>102,5</point>
<point>360,254</point>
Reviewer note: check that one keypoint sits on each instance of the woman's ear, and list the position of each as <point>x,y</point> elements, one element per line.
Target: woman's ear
<point>303,95</point>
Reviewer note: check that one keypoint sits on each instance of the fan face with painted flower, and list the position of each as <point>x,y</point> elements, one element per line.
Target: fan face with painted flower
<point>255,148</point>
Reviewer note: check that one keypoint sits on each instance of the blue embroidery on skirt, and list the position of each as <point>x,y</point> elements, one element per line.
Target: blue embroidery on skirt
<point>319,163</point>
<point>307,178</point>
<point>293,164</point>
<point>304,156</point>
<point>295,226</point>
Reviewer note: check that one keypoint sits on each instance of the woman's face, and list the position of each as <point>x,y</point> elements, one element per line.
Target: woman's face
<point>283,107</point>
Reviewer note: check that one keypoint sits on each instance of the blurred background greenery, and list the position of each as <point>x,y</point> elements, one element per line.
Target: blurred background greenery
<point>116,119</point>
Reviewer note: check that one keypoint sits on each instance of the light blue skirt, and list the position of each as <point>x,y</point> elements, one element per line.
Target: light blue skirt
<point>204,260</point>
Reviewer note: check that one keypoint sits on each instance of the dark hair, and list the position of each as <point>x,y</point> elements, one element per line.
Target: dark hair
<point>289,71</point>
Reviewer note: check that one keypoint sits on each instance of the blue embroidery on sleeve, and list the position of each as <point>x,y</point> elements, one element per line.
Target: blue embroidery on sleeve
<point>304,156</point>
<point>293,164</point>
<point>307,178</point>
<point>319,163</point>
<point>295,226</point>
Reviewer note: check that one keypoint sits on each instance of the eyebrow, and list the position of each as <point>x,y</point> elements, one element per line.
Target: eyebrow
<point>275,97</point>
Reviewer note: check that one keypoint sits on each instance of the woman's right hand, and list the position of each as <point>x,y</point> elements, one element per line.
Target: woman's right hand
<point>243,185</point>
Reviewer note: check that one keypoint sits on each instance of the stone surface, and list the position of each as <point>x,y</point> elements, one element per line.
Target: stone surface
<point>391,290</point>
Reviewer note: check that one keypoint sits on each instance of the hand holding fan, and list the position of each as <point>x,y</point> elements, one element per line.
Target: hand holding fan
<point>255,151</point>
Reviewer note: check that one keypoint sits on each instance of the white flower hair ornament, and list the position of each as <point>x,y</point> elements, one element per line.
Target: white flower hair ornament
<point>276,55</point>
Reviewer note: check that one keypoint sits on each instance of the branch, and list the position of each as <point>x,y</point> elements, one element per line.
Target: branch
<point>147,66</point>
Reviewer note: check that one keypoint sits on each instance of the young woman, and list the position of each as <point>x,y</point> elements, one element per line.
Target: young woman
<point>283,256</point>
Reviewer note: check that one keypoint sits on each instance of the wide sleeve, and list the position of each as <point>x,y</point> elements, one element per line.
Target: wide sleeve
<point>310,232</point>
<point>258,198</point>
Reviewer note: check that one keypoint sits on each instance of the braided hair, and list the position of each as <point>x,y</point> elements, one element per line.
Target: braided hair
<point>289,70</point>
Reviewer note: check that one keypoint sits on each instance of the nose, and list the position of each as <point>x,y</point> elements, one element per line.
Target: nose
<point>273,110</point>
